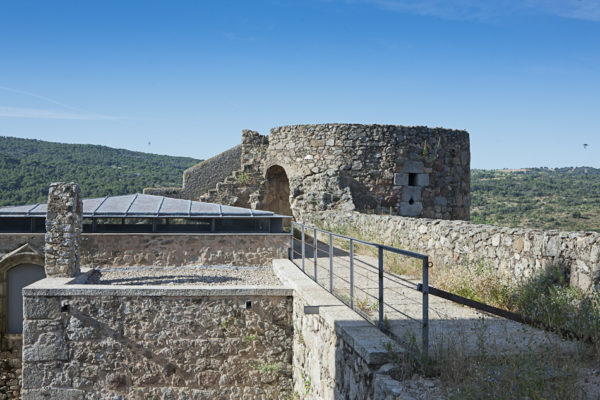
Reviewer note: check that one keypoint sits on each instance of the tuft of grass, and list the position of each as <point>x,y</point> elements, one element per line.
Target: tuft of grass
<point>536,373</point>
<point>266,368</point>
<point>250,338</point>
<point>549,299</point>
<point>477,281</point>
<point>365,305</point>
<point>243,178</point>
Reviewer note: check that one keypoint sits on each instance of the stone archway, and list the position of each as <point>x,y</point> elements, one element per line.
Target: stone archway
<point>277,191</point>
<point>17,278</point>
<point>23,256</point>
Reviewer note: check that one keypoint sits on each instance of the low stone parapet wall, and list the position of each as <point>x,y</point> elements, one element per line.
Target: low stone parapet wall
<point>244,249</point>
<point>84,341</point>
<point>519,253</point>
<point>337,354</point>
<point>173,249</point>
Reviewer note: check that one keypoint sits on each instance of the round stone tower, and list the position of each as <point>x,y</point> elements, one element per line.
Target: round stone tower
<point>410,171</point>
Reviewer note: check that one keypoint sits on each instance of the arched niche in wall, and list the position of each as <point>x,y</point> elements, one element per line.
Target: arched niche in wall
<point>277,191</point>
<point>19,268</point>
<point>17,278</point>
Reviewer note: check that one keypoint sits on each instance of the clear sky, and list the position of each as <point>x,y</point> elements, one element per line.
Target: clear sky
<point>185,77</point>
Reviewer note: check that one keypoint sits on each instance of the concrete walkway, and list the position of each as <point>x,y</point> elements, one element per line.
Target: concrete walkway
<point>451,325</point>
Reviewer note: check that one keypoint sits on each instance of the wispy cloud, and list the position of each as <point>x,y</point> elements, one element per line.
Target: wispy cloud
<point>490,9</point>
<point>19,112</point>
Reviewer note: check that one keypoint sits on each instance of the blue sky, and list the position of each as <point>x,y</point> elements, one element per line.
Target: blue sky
<point>185,77</point>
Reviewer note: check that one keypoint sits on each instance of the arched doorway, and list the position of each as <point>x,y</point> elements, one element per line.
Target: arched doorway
<point>277,191</point>
<point>17,278</point>
<point>19,268</point>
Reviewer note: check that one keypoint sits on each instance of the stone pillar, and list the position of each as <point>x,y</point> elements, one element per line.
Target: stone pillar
<point>63,230</point>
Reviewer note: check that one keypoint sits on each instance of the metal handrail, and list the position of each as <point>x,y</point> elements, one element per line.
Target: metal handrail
<point>381,248</point>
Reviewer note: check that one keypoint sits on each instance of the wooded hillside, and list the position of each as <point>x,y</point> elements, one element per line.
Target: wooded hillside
<point>27,167</point>
<point>563,198</point>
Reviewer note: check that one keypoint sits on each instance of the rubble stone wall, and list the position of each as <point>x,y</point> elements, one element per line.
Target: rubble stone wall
<point>158,345</point>
<point>202,177</point>
<point>12,241</point>
<point>112,249</point>
<point>242,186</point>
<point>168,249</point>
<point>412,171</point>
<point>10,366</point>
<point>64,224</point>
<point>326,366</point>
<point>337,354</point>
<point>205,175</point>
<point>518,253</point>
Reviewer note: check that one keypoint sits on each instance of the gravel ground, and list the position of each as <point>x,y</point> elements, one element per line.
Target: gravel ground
<point>217,275</point>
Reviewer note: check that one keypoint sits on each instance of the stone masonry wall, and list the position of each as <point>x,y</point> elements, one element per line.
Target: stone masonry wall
<point>412,171</point>
<point>241,187</point>
<point>182,249</point>
<point>11,343</point>
<point>10,366</point>
<point>122,249</point>
<point>156,346</point>
<point>202,177</point>
<point>325,365</point>
<point>519,253</point>
<point>12,241</point>
<point>337,354</point>
<point>63,230</point>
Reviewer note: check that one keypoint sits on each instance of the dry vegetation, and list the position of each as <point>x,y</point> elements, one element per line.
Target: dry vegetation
<point>533,374</point>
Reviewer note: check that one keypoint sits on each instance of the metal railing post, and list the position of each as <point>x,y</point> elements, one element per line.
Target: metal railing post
<point>303,248</point>
<point>426,307</point>
<point>380,323</point>
<point>292,242</point>
<point>315,253</point>
<point>330,263</point>
<point>352,274</point>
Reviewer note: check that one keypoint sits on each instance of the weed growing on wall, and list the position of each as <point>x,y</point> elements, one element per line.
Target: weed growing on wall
<point>243,178</point>
<point>250,338</point>
<point>266,368</point>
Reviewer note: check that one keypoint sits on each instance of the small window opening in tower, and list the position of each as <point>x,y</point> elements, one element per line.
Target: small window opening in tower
<point>412,179</point>
<point>411,201</point>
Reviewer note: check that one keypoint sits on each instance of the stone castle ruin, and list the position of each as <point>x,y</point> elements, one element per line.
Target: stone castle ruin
<point>302,169</point>
<point>78,335</point>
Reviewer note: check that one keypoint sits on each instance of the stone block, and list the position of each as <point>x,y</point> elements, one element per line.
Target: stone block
<point>552,248</point>
<point>411,192</point>
<point>33,376</point>
<point>53,351</point>
<point>411,210</point>
<point>422,179</point>
<point>440,201</point>
<point>400,179</point>
<point>41,308</point>
<point>415,167</point>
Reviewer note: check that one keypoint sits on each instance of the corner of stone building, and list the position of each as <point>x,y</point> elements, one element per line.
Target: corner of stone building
<point>64,223</point>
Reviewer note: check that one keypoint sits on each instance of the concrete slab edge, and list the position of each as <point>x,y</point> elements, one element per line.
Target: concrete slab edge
<point>72,287</point>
